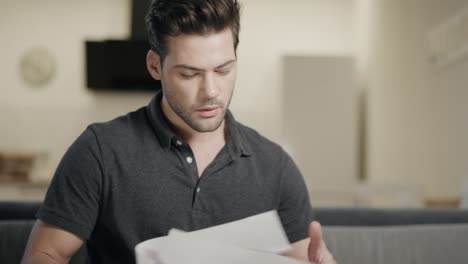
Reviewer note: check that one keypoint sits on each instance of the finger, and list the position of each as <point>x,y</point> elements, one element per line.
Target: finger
<point>315,234</point>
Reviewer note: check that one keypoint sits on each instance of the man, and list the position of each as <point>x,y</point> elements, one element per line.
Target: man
<point>181,162</point>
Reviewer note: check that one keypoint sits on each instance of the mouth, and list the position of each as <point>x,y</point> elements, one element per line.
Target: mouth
<point>208,111</point>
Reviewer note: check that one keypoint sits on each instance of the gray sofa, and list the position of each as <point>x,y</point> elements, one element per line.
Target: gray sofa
<point>354,235</point>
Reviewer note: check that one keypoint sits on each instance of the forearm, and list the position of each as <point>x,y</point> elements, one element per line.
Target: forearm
<point>43,258</point>
<point>299,250</point>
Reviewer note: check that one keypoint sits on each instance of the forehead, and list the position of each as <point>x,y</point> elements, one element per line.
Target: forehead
<point>204,51</point>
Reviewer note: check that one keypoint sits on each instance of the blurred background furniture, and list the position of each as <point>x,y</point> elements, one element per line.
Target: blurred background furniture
<point>354,235</point>
<point>464,193</point>
<point>16,166</point>
<point>389,195</point>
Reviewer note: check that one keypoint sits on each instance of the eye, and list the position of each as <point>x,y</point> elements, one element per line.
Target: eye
<point>188,76</point>
<point>223,71</point>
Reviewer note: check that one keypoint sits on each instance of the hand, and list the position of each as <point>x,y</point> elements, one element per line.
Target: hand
<point>317,250</point>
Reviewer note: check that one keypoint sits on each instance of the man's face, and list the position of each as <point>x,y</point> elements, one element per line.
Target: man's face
<point>198,76</point>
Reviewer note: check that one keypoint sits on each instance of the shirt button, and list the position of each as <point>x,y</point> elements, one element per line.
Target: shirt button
<point>189,160</point>
<point>198,189</point>
<point>179,143</point>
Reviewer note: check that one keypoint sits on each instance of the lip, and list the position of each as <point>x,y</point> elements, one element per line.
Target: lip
<point>208,111</point>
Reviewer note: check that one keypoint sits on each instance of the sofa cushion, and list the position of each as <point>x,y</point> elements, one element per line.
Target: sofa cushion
<point>13,238</point>
<point>425,244</point>
<point>14,235</point>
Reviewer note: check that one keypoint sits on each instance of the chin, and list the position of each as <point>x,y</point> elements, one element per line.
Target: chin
<point>205,126</point>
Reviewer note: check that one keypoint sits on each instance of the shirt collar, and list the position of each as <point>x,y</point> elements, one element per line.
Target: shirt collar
<point>159,122</point>
<point>236,144</point>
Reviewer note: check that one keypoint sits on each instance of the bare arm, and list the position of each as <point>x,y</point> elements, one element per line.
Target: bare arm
<point>299,250</point>
<point>50,244</point>
<point>313,248</point>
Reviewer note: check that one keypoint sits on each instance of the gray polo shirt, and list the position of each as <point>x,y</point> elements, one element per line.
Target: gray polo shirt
<point>132,179</point>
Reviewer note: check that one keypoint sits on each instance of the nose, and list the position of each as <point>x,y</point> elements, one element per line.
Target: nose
<point>210,86</point>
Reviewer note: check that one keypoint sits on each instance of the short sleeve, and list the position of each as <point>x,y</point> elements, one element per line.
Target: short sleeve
<point>294,209</point>
<point>73,198</point>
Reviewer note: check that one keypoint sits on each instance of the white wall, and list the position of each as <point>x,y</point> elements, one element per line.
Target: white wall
<point>417,126</point>
<point>48,119</point>
<point>62,109</point>
<point>272,29</point>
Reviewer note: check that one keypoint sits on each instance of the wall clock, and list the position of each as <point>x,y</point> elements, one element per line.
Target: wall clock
<point>37,66</point>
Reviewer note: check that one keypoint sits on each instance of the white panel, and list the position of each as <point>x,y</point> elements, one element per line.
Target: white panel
<point>320,124</point>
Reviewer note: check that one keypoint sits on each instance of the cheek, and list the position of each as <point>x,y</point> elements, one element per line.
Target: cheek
<point>184,93</point>
<point>229,83</point>
<point>232,77</point>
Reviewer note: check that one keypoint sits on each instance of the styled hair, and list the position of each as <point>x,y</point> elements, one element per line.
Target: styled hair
<point>174,17</point>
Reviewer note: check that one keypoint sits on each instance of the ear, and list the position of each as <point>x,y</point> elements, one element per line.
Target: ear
<point>153,64</point>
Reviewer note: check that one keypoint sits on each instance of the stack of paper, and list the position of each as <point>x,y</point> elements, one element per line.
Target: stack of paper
<point>257,239</point>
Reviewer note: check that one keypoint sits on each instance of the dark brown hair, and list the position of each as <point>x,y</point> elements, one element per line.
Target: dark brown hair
<point>174,17</point>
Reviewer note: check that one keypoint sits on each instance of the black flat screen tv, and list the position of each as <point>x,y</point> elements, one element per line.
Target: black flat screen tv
<point>118,65</point>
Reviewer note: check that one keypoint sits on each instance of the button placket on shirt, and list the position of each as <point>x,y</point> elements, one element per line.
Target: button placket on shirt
<point>186,154</point>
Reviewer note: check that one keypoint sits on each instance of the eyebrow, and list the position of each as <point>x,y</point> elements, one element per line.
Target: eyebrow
<point>188,67</point>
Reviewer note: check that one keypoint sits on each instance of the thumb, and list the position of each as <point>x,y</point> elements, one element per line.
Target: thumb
<point>315,235</point>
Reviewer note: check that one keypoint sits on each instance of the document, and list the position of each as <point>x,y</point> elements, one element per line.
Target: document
<point>257,239</point>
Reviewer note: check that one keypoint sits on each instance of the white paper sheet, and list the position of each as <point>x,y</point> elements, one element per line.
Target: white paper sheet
<point>250,240</point>
<point>262,232</point>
